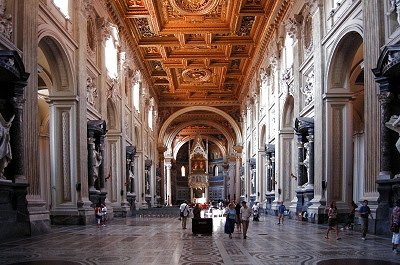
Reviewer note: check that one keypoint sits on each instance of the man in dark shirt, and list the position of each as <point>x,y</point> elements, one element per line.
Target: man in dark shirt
<point>364,211</point>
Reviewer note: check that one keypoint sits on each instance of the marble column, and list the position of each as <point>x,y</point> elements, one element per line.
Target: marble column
<point>385,97</point>
<point>237,182</point>
<point>272,172</point>
<point>168,166</point>
<point>300,159</point>
<point>310,170</point>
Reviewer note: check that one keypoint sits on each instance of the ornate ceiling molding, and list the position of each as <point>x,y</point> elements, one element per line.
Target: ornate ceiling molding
<point>194,7</point>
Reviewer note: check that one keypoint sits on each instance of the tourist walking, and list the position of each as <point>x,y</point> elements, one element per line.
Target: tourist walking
<point>332,220</point>
<point>364,211</point>
<point>395,224</point>
<point>230,214</point>
<point>350,218</point>
<point>238,221</point>
<point>184,209</point>
<point>281,212</point>
<point>245,214</point>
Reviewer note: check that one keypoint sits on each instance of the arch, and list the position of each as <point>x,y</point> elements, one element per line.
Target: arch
<point>262,135</point>
<point>112,115</point>
<point>288,112</point>
<point>340,60</point>
<point>58,63</point>
<point>345,156</point>
<point>171,136</point>
<point>197,108</point>
<point>57,122</point>
<point>210,138</point>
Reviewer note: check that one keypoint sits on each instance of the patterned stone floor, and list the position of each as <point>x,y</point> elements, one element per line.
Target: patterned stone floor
<point>163,241</point>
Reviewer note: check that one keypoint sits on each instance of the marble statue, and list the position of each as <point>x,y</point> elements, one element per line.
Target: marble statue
<point>5,146</point>
<point>394,125</point>
<point>97,159</point>
<point>306,163</point>
<point>395,6</point>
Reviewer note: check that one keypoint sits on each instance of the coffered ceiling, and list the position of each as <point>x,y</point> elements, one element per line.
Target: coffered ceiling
<point>200,52</point>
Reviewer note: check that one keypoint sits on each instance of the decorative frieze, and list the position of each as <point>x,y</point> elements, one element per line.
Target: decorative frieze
<point>6,24</point>
<point>91,90</point>
<point>308,88</point>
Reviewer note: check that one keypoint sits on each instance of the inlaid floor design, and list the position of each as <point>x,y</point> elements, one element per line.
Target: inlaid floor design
<point>163,241</point>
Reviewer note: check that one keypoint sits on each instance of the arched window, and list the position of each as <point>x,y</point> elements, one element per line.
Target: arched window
<point>112,54</point>
<point>216,171</point>
<point>136,94</point>
<point>288,51</point>
<point>63,6</point>
<point>150,113</point>
<point>183,171</point>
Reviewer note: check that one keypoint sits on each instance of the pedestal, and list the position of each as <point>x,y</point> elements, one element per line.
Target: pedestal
<point>14,216</point>
<point>131,197</point>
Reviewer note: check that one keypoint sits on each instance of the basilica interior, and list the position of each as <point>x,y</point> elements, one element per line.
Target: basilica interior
<point>145,104</point>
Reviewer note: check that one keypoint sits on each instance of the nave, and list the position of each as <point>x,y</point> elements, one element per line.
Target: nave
<point>156,240</point>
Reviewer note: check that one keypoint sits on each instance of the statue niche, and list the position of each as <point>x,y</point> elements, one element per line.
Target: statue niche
<point>96,140</point>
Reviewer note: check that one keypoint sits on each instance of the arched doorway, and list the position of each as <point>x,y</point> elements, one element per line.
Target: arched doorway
<point>57,106</point>
<point>344,105</point>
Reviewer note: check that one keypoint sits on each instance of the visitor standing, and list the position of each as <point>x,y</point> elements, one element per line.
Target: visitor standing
<point>230,214</point>
<point>184,209</point>
<point>97,214</point>
<point>364,211</point>
<point>332,220</point>
<point>196,211</point>
<point>395,224</point>
<point>350,218</point>
<point>245,213</point>
<point>104,214</point>
<point>238,221</point>
<point>281,212</point>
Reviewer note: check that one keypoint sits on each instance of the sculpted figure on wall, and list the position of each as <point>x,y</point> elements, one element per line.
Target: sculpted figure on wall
<point>97,160</point>
<point>5,146</point>
<point>5,21</point>
<point>395,6</point>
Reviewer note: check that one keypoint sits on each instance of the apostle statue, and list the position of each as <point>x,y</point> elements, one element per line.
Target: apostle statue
<point>5,146</point>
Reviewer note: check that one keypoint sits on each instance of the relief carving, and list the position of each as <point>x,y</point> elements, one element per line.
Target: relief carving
<point>5,21</point>
<point>395,7</point>
<point>91,90</point>
<point>308,89</point>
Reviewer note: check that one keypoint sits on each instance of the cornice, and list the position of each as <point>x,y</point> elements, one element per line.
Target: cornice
<point>199,103</point>
<point>266,38</point>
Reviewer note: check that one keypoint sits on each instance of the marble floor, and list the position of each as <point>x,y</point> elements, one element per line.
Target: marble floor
<point>162,241</point>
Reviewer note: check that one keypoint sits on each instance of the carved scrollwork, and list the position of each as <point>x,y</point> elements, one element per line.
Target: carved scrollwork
<point>6,24</point>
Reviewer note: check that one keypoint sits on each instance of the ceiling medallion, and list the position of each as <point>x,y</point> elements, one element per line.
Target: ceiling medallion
<point>196,75</point>
<point>194,7</point>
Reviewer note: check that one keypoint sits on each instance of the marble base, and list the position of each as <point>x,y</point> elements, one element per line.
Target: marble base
<point>14,216</point>
<point>40,227</point>
<point>119,212</point>
<point>66,217</point>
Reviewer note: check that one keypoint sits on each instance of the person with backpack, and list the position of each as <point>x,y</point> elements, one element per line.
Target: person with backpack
<point>184,213</point>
